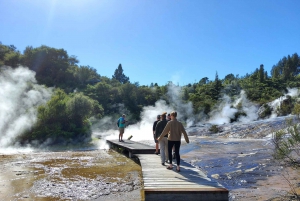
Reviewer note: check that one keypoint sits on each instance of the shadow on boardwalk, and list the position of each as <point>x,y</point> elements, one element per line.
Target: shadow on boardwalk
<point>188,184</point>
<point>163,184</point>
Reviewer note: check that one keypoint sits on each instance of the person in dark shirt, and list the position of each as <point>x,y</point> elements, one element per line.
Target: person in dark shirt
<point>155,139</point>
<point>174,129</point>
<point>163,144</point>
<point>173,149</point>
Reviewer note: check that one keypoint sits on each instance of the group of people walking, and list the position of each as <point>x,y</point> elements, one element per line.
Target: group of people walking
<point>168,134</point>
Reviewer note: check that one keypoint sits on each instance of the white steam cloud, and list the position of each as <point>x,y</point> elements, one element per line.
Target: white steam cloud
<point>249,108</point>
<point>227,109</point>
<point>19,97</point>
<point>223,113</point>
<point>142,131</point>
<point>294,92</point>
<point>184,110</point>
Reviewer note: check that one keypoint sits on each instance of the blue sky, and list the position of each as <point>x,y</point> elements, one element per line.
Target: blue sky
<point>157,41</point>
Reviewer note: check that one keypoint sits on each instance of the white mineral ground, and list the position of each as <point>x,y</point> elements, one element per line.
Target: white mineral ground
<point>239,158</point>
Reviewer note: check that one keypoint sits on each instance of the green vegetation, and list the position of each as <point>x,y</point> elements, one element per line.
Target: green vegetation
<point>64,119</point>
<point>214,129</point>
<point>82,93</point>
<point>287,143</point>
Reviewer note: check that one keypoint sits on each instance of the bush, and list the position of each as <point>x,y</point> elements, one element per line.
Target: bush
<point>287,143</point>
<point>296,110</point>
<point>285,107</point>
<point>63,120</point>
<point>214,129</point>
<point>266,112</point>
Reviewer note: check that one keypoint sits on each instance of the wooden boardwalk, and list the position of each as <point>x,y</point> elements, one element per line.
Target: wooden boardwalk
<point>163,184</point>
<point>132,147</point>
<point>188,184</point>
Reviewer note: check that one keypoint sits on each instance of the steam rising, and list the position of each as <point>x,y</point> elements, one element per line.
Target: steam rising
<point>184,110</point>
<point>276,103</point>
<point>227,109</point>
<point>223,113</point>
<point>19,97</point>
<point>143,129</point>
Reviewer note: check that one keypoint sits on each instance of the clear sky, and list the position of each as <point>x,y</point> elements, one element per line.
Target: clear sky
<point>157,41</point>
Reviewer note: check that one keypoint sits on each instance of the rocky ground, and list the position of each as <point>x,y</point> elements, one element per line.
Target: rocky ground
<point>244,166</point>
<point>72,175</point>
<point>239,157</point>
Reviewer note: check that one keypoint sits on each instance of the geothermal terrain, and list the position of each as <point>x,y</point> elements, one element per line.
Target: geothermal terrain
<point>239,157</point>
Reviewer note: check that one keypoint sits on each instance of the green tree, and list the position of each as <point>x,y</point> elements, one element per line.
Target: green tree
<point>120,76</point>
<point>217,87</point>
<point>86,75</point>
<point>64,119</point>
<point>50,64</point>
<point>9,56</point>
<point>275,72</point>
<point>73,60</point>
<point>204,80</point>
<point>229,78</point>
<point>129,94</point>
<point>79,109</point>
<point>261,73</point>
<point>103,93</point>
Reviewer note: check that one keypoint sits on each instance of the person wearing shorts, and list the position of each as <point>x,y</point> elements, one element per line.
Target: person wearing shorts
<point>121,124</point>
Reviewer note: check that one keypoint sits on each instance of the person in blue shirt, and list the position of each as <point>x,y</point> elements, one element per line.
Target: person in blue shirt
<point>121,125</point>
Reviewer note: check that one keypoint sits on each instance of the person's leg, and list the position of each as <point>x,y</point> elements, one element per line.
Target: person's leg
<point>170,145</point>
<point>156,147</point>
<point>121,133</point>
<point>162,151</point>
<point>173,149</point>
<point>166,148</point>
<point>177,147</point>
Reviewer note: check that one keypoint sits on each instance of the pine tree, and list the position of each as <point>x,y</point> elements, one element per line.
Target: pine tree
<point>120,76</point>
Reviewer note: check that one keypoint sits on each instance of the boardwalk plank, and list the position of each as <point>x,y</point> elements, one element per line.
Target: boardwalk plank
<point>188,184</point>
<point>162,184</point>
<point>132,147</point>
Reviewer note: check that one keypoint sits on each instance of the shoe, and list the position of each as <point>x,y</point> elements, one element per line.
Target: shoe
<point>119,140</point>
<point>178,170</point>
<point>156,153</point>
<point>163,164</point>
<point>169,168</point>
<point>122,141</point>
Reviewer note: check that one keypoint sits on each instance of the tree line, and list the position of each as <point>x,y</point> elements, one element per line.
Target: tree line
<point>81,92</point>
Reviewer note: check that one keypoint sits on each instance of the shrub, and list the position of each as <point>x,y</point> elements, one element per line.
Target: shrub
<point>287,143</point>
<point>214,129</point>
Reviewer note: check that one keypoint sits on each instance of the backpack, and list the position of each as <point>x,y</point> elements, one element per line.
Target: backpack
<point>118,122</point>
